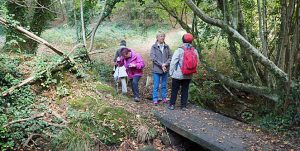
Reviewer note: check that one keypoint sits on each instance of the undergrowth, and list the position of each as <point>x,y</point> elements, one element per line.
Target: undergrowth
<point>15,106</point>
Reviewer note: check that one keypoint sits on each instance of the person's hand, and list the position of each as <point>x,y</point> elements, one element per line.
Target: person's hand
<point>132,65</point>
<point>118,59</point>
<point>164,67</point>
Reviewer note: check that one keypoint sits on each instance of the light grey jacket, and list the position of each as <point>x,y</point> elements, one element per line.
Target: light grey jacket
<point>175,71</point>
<point>158,58</point>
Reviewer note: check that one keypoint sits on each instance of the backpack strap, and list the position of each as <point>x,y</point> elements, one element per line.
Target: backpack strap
<point>178,64</point>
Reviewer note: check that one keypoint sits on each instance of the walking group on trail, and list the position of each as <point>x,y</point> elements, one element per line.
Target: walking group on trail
<point>180,66</point>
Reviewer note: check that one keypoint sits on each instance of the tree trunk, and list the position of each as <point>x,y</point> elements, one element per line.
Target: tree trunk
<point>82,24</point>
<point>101,18</point>
<point>39,21</point>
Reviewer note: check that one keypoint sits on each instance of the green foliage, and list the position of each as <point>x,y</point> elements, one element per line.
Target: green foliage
<point>41,63</point>
<point>137,14</point>
<point>201,94</point>
<point>277,123</point>
<point>103,70</point>
<point>15,106</point>
<point>62,91</point>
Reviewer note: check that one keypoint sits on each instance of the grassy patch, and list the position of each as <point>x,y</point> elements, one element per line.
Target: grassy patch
<point>81,103</point>
<point>104,88</point>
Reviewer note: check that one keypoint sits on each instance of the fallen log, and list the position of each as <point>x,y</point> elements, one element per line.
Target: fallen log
<point>36,38</point>
<point>25,119</point>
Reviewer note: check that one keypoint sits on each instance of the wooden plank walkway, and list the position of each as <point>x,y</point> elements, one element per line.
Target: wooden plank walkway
<point>209,129</point>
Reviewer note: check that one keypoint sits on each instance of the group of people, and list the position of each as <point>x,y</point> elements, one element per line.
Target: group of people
<point>180,66</point>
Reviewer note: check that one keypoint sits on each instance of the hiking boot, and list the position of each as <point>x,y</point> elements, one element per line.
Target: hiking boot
<point>184,109</point>
<point>164,101</point>
<point>171,107</point>
<point>155,103</point>
<point>136,99</point>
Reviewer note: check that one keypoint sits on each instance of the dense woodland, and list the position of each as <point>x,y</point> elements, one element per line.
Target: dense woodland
<point>250,57</point>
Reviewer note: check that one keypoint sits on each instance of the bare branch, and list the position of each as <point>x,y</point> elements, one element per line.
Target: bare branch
<point>25,119</point>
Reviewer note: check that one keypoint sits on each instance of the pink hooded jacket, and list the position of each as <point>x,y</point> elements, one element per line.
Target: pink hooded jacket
<point>134,59</point>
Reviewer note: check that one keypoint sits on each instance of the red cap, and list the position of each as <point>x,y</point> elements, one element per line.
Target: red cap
<point>188,37</point>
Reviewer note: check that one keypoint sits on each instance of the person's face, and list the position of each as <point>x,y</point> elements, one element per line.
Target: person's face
<point>161,38</point>
<point>126,54</point>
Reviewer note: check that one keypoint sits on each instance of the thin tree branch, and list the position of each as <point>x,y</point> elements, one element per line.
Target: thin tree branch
<point>25,119</point>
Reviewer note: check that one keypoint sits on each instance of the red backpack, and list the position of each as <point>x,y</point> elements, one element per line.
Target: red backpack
<point>190,61</point>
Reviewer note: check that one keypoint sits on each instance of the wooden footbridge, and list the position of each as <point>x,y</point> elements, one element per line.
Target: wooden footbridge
<point>211,130</point>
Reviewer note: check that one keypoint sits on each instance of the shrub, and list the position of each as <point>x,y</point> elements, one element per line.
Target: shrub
<point>201,94</point>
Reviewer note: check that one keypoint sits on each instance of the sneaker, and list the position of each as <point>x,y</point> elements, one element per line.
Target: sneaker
<point>155,103</point>
<point>183,108</point>
<point>171,107</point>
<point>164,101</point>
<point>136,99</point>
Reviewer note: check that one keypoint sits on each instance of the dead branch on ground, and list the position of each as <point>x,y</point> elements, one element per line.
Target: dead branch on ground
<point>25,119</point>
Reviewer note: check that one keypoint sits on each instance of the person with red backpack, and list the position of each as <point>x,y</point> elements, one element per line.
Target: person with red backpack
<point>182,67</point>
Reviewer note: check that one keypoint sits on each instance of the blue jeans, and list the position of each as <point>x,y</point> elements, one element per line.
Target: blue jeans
<point>156,82</point>
<point>135,86</point>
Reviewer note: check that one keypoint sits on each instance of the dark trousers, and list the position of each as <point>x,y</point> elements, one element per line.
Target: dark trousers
<point>135,86</point>
<point>176,84</point>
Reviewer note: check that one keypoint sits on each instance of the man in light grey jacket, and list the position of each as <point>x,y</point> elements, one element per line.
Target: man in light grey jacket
<point>178,78</point>
<point>161,57</point>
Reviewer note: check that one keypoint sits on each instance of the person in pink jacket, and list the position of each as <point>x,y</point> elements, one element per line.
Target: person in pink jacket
<point>134,65</point>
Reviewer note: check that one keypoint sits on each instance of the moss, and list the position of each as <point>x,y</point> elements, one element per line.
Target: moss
<point>81,103</point>
<point>104,88</point>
